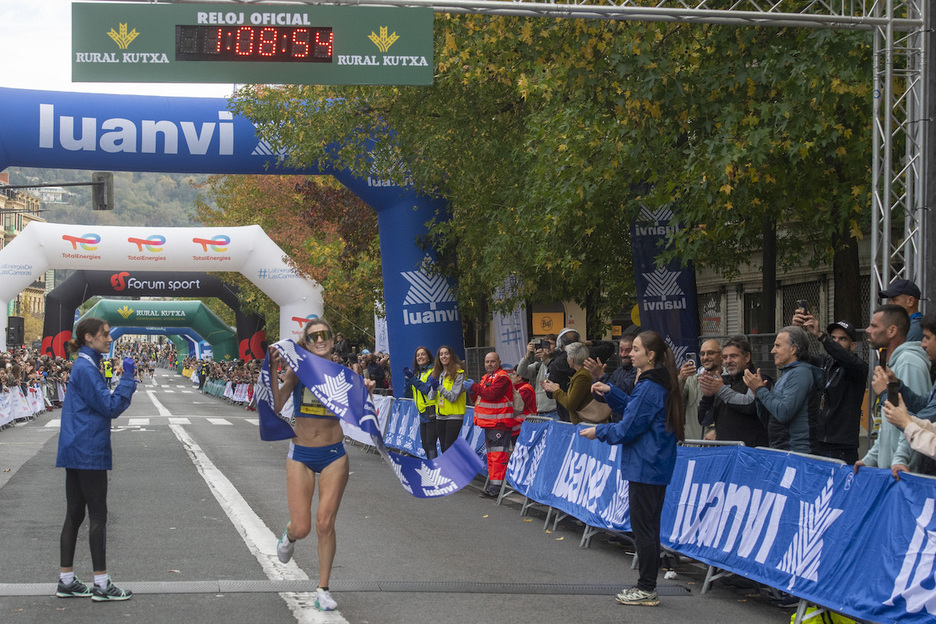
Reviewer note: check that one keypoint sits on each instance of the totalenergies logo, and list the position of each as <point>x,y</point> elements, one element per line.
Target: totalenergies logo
<point>88,241</point>
<point>218,243</point>
<point>303,320</point>
<point>153,243</point>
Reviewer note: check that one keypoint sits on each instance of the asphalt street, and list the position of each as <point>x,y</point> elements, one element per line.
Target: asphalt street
<point>197,502</point>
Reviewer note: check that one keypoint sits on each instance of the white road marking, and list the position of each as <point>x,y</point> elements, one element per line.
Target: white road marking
<point>138,422</point>
<point>253,421</point>
<point>159,406</point>
<point>55,422</point>
<point>259,539</point>
<point>219,421</point>
<point>180,421</point>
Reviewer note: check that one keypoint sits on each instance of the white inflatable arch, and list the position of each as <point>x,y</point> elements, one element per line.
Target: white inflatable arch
<point>246,250</point>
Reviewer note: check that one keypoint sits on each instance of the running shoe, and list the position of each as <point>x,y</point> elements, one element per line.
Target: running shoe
<point>637,596</point>
<point>285,548</point>
<point>324,601</point>
<point>75,589</point>
<point>110,593</point>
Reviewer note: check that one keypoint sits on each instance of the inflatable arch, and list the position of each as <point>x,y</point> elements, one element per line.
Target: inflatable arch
<point>247,250</point>
<point>191,314</point>
<point>200,135</point>
<point>64,299</point>
<point>188,343</point>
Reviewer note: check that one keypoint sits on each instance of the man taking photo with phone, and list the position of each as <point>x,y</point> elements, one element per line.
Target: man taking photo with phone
<point>908,363</point>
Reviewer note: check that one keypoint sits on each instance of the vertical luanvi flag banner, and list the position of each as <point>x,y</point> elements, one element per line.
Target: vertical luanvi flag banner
<point>666,294</point>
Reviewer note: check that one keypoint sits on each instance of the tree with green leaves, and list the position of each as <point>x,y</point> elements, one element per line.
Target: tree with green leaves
<point>328,234</point>
<point>542,134</point>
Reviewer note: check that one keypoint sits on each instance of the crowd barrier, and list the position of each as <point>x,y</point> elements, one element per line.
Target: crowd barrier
<point>15,405</point>
<point>862,545</point>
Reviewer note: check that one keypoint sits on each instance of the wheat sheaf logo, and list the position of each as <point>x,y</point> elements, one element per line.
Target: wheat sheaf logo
<point>384,41</point>
<point>123,38</point>
<point>125,311</point>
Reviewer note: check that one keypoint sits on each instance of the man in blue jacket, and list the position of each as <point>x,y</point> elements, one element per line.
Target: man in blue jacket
<point>785,409</point>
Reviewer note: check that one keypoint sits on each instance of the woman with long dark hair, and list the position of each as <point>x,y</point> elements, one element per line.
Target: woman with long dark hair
<point>420,379</point>
<point>451,397</point>
<point>84,451</point>
<point>653,422</point>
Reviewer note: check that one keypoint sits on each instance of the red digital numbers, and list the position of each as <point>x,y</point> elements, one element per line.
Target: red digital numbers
<point>254,43</point>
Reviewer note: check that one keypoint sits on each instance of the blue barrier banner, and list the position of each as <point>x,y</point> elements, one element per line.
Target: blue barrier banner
<point>863,545</point>
<point>552,464</point>
<point>344,393</point>
<point>666,294</point>
<point>402,432</point>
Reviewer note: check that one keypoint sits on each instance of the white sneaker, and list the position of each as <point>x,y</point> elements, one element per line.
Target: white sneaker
<point>285,548</point>
<point>324,601</point>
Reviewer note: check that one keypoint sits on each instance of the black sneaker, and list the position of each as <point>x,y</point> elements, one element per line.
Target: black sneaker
<point>75,589</point>
<point>112,592</point>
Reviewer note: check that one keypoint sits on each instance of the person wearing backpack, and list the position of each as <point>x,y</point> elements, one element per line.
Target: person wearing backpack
<point>494,412</point>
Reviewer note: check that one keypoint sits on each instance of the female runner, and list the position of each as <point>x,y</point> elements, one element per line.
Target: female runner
<point>317,449</point>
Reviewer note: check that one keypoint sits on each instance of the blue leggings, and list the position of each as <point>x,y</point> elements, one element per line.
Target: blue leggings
<point>316,458</point>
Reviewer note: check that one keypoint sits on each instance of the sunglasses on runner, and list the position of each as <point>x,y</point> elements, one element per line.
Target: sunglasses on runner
<point>314,337</point>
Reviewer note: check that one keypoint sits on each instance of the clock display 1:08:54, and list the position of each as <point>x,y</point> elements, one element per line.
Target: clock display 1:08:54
<point>281,44</point>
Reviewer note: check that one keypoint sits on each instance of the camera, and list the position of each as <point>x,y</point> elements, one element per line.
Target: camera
<point>543,344</point>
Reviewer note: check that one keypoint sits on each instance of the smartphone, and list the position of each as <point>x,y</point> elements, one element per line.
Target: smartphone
<point>801,305</point>
<point>893,389</point>
<point>691,358</point>
<point>882,358</point>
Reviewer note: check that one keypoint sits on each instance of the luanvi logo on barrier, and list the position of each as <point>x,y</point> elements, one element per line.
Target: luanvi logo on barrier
<point>261,45</point>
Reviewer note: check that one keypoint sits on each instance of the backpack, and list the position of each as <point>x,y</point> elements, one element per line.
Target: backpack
<point>518,404</point>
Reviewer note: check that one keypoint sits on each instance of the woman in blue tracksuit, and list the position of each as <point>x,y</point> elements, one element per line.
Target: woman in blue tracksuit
<point>654,420</point>
<point>84,451</point>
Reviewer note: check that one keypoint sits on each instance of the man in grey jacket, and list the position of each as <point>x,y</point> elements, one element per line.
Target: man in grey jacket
<point>533,366</point>
<point>786,407</point>
<point>888,330</point>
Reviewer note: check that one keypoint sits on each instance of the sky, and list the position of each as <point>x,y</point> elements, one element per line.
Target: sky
<point>35,53</point>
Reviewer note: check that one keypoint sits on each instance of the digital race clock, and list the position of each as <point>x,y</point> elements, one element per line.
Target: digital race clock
<point>280,44</point>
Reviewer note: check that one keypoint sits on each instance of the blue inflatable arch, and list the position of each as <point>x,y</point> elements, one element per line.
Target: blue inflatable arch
<point>200,135</point>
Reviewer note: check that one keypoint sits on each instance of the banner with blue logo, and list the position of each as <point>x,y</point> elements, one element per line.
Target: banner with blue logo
<point>861,544</point>
<point>667,294</point>
<point>402,431</point>
<point>344,393</point>
<point>552,464</point>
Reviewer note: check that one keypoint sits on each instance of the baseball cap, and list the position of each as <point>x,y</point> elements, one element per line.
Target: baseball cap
<point>508,367</point>
<point>900,287</point>
<point>849,329</point>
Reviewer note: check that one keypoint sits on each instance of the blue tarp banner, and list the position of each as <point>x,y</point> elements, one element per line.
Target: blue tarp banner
<point>863,545</point>
<point>403,431</point>
<point>666,294</point>
<point>344,393</point>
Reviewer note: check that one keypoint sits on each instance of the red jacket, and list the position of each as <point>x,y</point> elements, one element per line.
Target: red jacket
<point>493,397</point>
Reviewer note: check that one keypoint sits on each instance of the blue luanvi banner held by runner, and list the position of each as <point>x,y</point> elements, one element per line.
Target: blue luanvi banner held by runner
<point>861,544</point>
<point>344,393</point>
<point>667,294</point>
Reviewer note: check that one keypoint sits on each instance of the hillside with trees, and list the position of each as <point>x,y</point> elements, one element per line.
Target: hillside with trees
<point>142,199</point>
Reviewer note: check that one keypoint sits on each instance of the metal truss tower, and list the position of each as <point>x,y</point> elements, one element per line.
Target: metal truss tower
<point>901,105</point>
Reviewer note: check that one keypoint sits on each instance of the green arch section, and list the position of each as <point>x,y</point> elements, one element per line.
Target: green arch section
<point>193,314</point>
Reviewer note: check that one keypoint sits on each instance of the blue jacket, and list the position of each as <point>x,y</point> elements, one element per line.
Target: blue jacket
<point>84,439</point>
<point>648,449</point>
<point>785,409</point>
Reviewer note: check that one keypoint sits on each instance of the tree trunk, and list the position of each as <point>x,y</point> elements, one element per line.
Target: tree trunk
<point>767,323</point>
<point>845,272</point>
